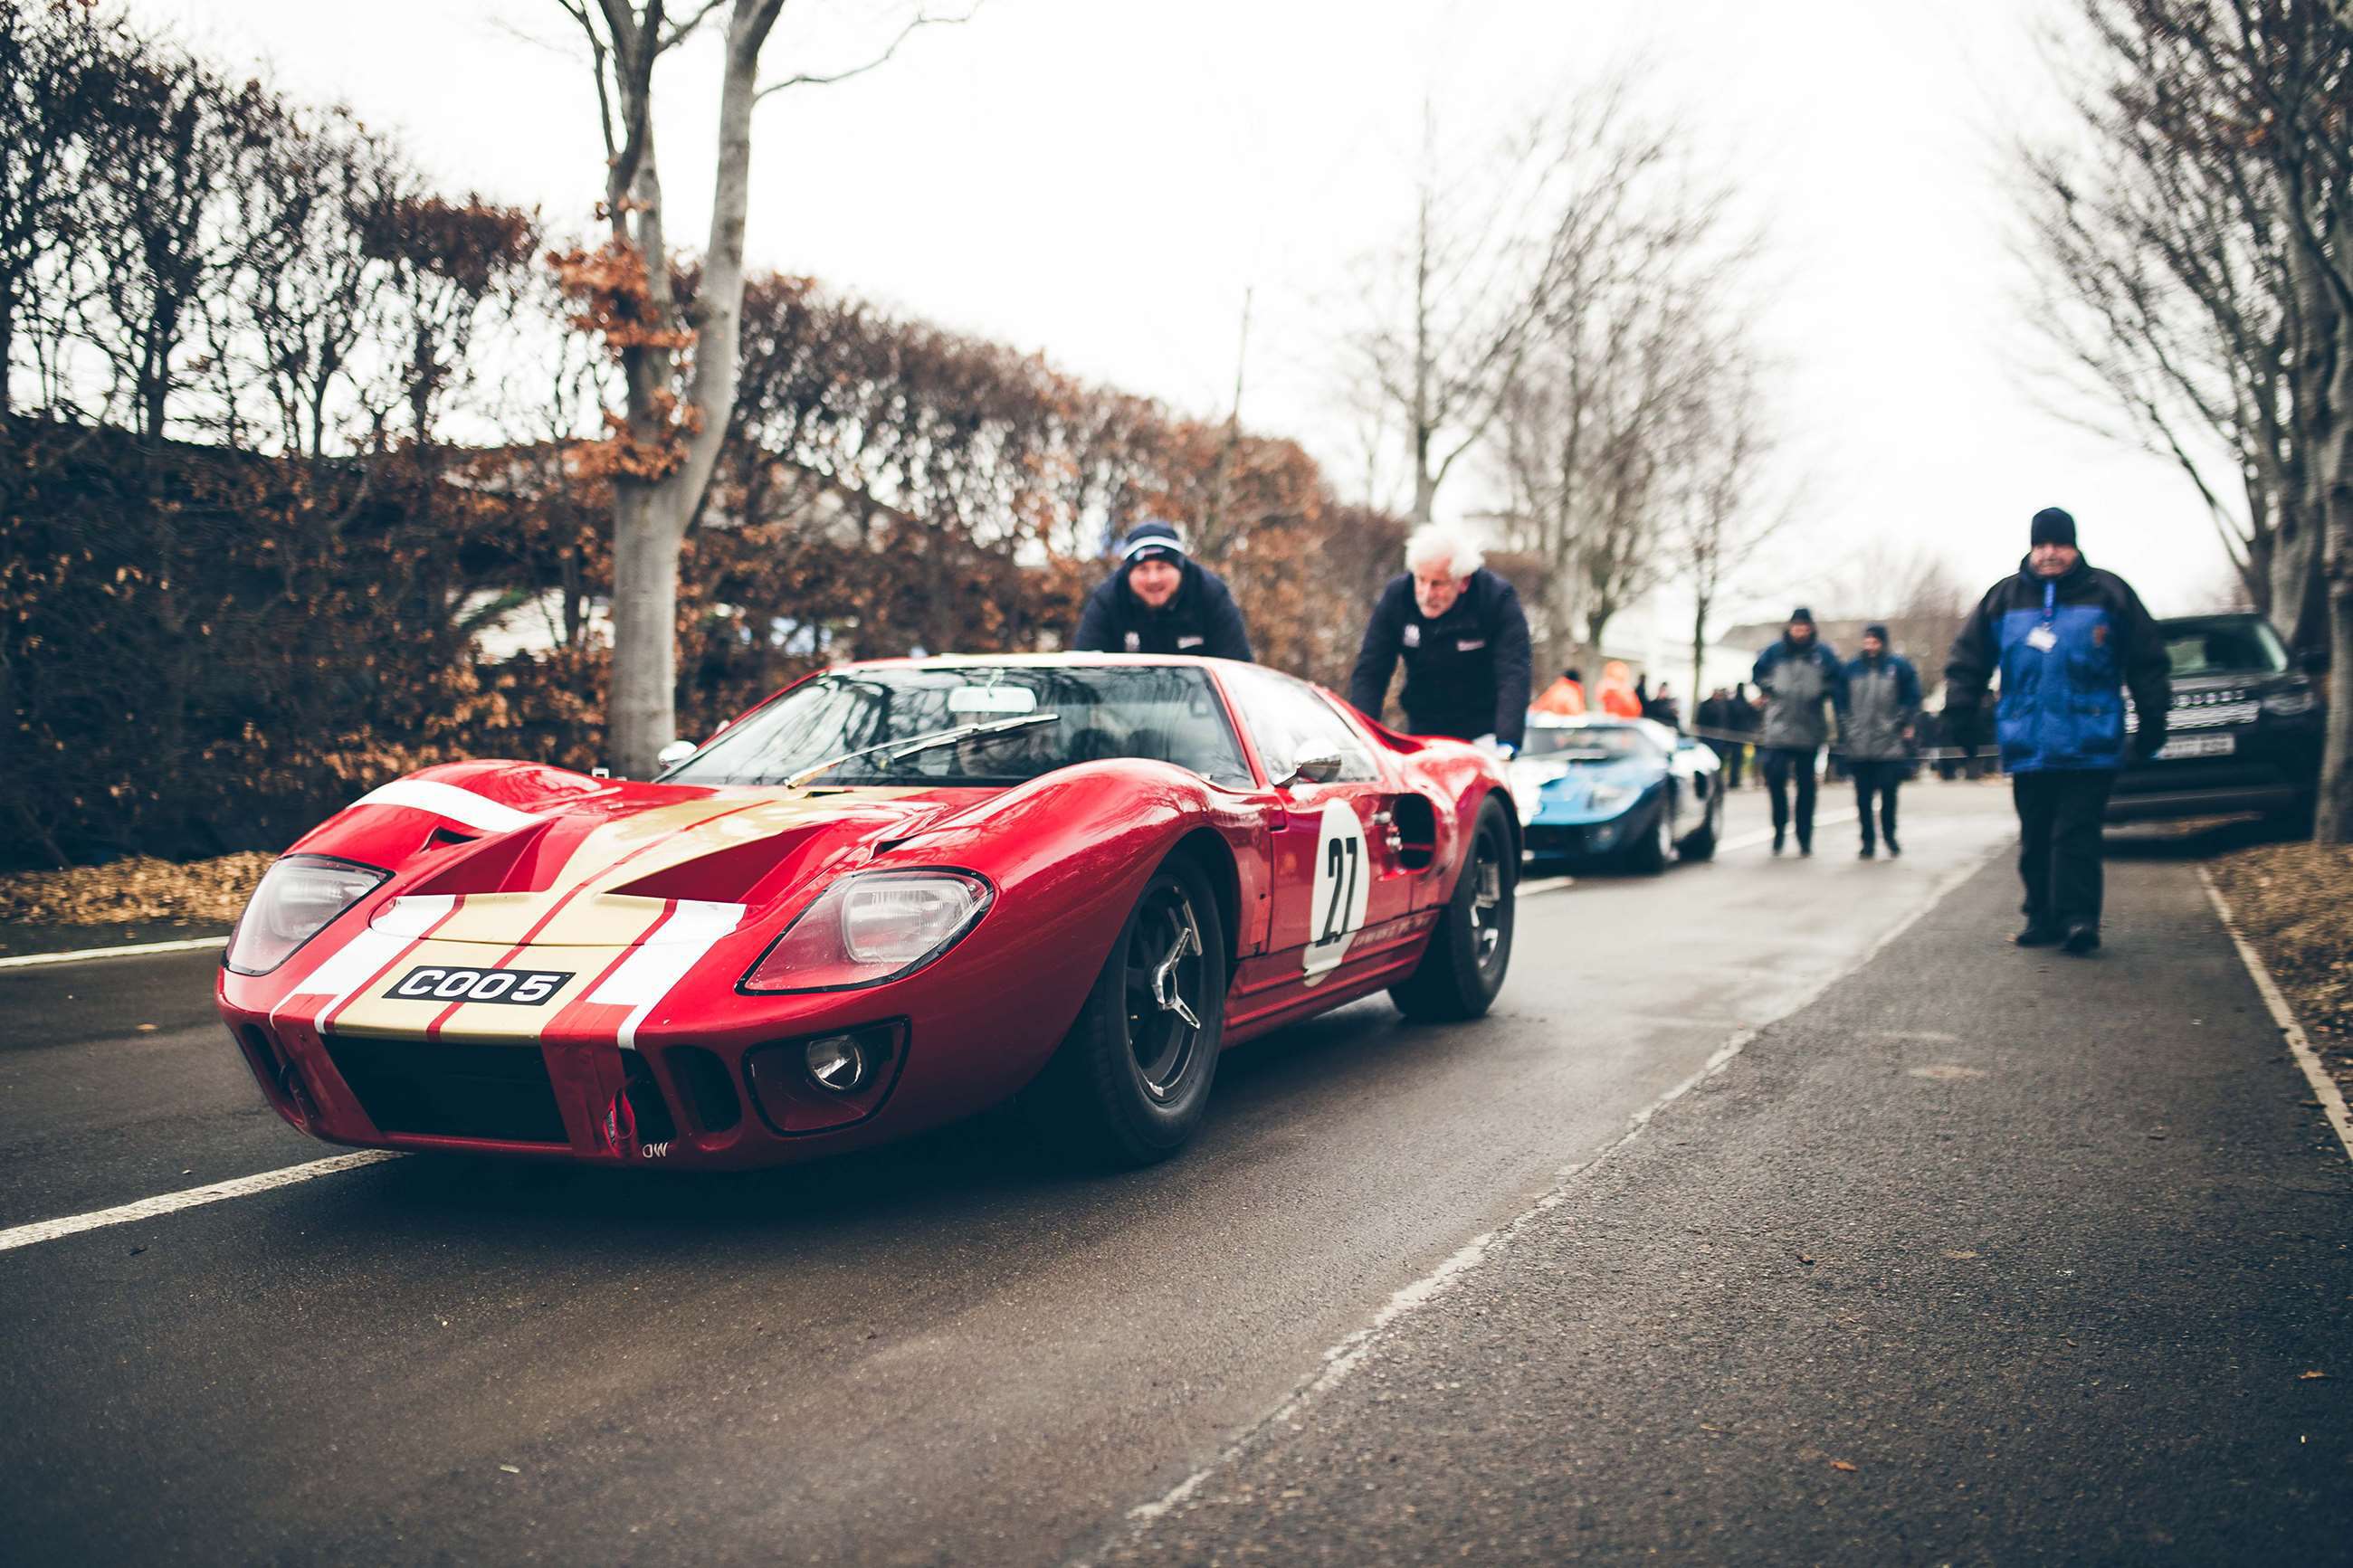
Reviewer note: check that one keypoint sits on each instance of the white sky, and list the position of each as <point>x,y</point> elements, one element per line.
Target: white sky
<point>1103,179</point>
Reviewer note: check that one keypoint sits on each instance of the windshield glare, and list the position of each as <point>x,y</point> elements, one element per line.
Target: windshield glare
<point>2223,648</point>
<point>1611,741</point>
<point>1169,714</point>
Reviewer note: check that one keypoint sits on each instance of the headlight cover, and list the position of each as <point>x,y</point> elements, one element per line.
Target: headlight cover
<point>298,898</point>
<point>2292,703</point>
<point>1604,797</point>
<point>869,927</point>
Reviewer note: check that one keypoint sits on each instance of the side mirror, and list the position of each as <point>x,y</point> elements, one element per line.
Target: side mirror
<point>677,751</point>
<point>1317,765</point>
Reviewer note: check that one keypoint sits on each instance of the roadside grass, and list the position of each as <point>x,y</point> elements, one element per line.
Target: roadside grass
<point>2295,903</point>
<point>141,887</point>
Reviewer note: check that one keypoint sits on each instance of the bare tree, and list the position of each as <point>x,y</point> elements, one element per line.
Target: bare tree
<point>677,346</point>
<point>1728,517</point>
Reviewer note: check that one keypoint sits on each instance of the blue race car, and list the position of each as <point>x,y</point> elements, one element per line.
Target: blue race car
<point>1627,789</point>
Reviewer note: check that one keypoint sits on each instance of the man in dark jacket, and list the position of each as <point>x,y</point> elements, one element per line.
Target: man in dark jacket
<point>1799,678</point>
<point>1879,703</point>
<point>1464,640</point>
<point>1159,600</point>
<point>2067,640</point>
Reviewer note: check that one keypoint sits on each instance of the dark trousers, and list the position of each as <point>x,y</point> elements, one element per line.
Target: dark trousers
<point>2059,814</point>
<point>1780,764</point>
<point>1880,779</point>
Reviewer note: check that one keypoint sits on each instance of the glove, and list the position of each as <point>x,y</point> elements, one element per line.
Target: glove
<point>2149,738</point>
<point>1503,748</point>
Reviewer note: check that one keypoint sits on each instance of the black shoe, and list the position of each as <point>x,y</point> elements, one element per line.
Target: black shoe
<point>1778,834</point>
<point>1868,852</point>
<point>1893,849</point>
<point>2082,937</point>
<point>2036,934</point>
<point>1804,846</point>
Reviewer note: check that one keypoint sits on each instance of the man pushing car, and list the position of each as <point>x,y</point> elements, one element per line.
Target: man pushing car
<point>1463,637</point>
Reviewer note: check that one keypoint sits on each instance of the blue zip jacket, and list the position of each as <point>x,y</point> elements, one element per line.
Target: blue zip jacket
<point>2066,647</point>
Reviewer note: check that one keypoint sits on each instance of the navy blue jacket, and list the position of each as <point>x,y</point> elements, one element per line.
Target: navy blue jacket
<point>1467,673</point>
<point>1201,619</point>
<point>2066,647</point>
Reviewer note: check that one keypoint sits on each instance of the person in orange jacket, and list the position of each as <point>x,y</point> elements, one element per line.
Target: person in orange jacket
<point>1618,698</point>
<point>1564,698</point>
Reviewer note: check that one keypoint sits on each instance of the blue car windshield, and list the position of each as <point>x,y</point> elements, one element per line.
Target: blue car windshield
<point>1590,743</point>
<point>1025,719</point>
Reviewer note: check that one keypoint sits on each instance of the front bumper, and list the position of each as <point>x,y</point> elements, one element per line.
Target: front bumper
<point>1580,840</point>
<point>2272,765</point>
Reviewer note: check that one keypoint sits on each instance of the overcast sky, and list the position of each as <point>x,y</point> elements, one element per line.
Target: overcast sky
<point>1104,179</point>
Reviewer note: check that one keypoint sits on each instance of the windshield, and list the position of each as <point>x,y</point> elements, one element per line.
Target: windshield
<point>2223,648</point>
<point>1010,724</point>
<point>1597,743</point>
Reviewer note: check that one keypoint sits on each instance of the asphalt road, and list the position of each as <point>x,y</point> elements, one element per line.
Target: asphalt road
<point>958,1351</point>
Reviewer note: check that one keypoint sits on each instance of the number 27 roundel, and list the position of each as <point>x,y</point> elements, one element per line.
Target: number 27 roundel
<point>1335,908</point>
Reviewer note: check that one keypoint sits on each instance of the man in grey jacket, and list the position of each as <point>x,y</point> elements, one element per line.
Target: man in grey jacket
<point>1799,678</point>
<point>1879,703</point>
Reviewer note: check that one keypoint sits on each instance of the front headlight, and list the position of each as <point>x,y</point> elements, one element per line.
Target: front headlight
<point>872,927</point>
<point>1604,797</point>
<point>2289,704</point>
<point>297,898</point>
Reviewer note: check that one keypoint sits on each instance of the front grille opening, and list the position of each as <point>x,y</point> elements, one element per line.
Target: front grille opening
<point>443,1090</point>
<point>711,1093</point>
<point>651,1111</point>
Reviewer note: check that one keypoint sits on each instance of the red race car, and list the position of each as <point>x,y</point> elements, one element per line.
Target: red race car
<point>890,895</point>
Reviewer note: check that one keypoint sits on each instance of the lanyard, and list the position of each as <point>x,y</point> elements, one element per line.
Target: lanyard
<point>2050,599</point>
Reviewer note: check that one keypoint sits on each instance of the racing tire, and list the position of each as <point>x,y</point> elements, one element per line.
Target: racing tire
<point>1701,845</point>
<point>1471,948</point>
<point>1649,854</point>
<point>1130,1081</point>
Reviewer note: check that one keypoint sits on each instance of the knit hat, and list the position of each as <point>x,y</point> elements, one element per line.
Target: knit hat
<point>1152,540</point>
<point>1876,630</point>
<point>2053,526</point>
<point>1801,613</point>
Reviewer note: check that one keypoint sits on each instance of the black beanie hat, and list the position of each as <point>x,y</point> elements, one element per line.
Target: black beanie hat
<point>2053,526</point>
<point>1876,630</point>
<point>1801,613</point>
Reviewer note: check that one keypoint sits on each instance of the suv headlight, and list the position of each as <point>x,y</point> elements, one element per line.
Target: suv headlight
<point>868,927</point>
<point>2290,704</point>
<point>298,898</point>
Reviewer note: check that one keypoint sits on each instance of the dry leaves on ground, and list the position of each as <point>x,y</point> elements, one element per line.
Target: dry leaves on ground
<point>2295,903</point>
<point>139,888</point>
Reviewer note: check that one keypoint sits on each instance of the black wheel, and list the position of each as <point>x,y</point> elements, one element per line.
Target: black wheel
<point>1701,845</point>
<point>1130,1081</point>
<point>1462,968</point>
<point>1654,846</point>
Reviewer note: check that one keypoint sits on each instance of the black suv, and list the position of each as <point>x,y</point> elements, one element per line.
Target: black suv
<point>2244,732</point>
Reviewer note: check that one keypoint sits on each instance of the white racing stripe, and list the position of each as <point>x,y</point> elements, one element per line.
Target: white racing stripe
<point>2323,1088</point>
<point>674,947</point>
<point>194,1197</point>
<point>1344,1358</point>
<point>448,800</point>
<point>84,955</point>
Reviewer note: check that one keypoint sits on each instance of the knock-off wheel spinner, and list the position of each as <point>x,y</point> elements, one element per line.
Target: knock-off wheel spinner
<point>1164,984</point>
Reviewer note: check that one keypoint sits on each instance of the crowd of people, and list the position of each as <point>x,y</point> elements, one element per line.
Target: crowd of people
<point>2065,639</point>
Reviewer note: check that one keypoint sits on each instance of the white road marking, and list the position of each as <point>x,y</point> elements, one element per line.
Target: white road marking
<point>1351,1353</point>
<point>1534,885</point>
<point>83,954</point>
<point>193,1197</point>
<point>2323,1088</point>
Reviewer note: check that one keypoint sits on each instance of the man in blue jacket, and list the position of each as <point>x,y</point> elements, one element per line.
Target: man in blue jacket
<point>1879,703</point>
<point>1159,600</point>
<point>2067,638</point>
<point>1799,678</point>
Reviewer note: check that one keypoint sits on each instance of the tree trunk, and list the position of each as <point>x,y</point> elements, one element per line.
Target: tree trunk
<point>648,528</point>
<point>2333,818</point>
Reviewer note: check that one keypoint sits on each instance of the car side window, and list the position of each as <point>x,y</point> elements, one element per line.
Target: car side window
<point>1288,717</point>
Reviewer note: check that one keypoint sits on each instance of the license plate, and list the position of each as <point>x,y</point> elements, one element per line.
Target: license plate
<point>440,983</point>
<point>2197,746</point>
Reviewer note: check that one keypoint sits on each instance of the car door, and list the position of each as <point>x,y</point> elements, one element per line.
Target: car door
<point>1335,881</point>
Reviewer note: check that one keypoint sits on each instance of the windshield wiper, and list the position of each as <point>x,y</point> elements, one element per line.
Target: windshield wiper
<point>908,748</point>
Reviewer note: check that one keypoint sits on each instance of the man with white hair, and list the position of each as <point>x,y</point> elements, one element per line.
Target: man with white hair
<point>1463,637</point>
